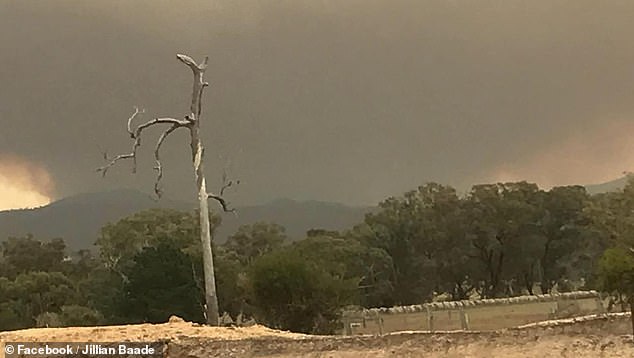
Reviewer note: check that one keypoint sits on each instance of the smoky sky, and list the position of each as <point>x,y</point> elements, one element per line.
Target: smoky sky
<point>347,100</point>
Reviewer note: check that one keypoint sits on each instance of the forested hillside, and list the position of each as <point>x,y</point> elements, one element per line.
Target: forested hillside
<point>78,219</point>
<point>498,240</point>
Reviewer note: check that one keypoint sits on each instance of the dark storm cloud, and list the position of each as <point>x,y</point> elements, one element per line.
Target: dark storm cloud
<point>335,100</point>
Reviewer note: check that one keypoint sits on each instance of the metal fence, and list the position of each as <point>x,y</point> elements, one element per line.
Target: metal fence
<point>486,314</point>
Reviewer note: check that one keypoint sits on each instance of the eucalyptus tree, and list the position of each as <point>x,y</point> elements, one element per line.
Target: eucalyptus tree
<point>192,123</point>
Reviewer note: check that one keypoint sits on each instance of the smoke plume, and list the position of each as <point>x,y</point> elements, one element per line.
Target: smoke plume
<point>23,183</point>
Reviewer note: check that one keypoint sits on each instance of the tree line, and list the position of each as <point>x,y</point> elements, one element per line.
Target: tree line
<point>498,240</point>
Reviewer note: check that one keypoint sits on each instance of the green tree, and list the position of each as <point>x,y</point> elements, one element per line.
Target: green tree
<point>103,291</point>
<point>424,232</point>
<point>44,291</point>
<point>564,251</point>
<point>161,284</point>
<point>41,282</point>
<point>255,240</point>
<point>611,215</point>
<point>397,228</point>
<point>616,275</point>
<point>77,316</point>
<point>231,279</point>
<point>120,242</point>
<point>616,271</point>
<point>26,254</point>
<point>69,316</point>
<point>32,294</point>
<point>444,244</point>
<point>502,220</point>
<point>12,311</point>
<point>294,294</point>
<point>345,257</point>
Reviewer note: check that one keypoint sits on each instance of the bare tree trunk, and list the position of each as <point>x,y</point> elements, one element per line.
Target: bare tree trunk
<point>191,122</point>
<point>211,298</point>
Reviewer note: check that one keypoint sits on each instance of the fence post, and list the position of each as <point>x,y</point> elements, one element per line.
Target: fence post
<point>346,325</point>
<point>464,319</point>
<point>600,307</point>
<point>430,319</point>
<point>379,321</point>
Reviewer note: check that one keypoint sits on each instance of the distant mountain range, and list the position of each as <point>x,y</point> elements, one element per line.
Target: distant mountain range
<point>613,185</point>
<point>77,219</point>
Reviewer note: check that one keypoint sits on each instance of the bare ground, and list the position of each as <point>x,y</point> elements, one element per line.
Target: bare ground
<point>592,336</point>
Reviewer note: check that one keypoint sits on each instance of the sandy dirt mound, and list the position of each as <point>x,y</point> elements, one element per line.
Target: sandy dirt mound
<point>174,330</point>
<point>594,336</point>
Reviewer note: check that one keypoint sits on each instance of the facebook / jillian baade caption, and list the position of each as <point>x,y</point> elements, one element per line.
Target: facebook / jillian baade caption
<point>83,349</point>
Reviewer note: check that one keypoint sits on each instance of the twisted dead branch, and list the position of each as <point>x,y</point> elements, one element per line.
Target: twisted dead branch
<point>136,135</point>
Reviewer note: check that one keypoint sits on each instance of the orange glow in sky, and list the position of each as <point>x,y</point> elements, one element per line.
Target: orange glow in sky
<point>587,157</point>
<point>23,184</point>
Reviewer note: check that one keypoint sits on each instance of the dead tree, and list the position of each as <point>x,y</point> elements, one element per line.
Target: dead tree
<point>192,123</point>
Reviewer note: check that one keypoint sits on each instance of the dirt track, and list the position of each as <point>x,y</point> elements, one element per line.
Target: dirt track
<point>602,336</point>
